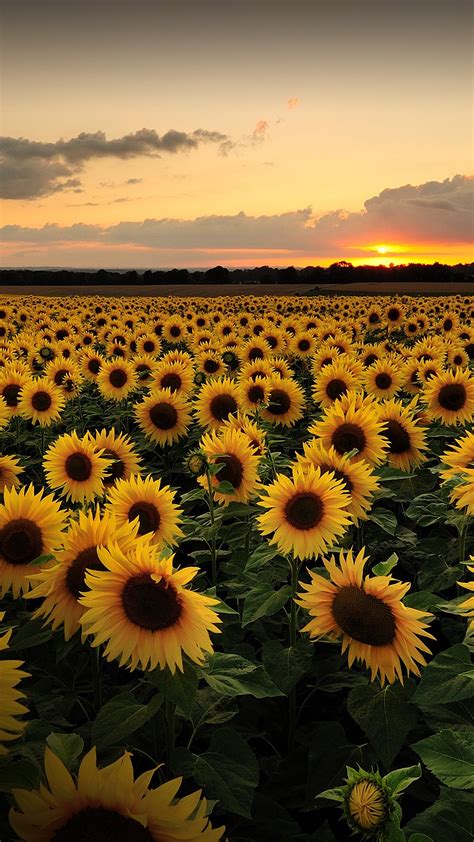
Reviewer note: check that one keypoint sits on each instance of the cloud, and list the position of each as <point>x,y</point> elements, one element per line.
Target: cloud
<point>292,102</point>
<point>134,181</point>
<point>260,130</point>
<point>31,168</point>
<point>434,212</point>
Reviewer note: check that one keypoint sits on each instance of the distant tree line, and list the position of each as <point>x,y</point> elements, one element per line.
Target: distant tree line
<point>338,273</point>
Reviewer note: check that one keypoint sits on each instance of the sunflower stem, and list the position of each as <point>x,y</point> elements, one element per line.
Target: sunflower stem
<point>294,566</point>
<point>210,495</point>
<point>170,716</point>
<point>96,677</point>
<point>462,538</point>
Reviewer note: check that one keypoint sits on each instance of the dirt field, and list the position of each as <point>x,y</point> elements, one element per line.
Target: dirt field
<point>213,290</point>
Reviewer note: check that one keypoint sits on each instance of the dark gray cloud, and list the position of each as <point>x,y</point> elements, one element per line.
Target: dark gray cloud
<point>30,168</point>
<point>434,212</point>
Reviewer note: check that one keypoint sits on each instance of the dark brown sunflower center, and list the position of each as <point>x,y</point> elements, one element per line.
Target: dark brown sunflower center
<point>335,388</point>
<point>255,394</point>
<point>151,605</point>
<point>393,314</point>
<point>148,516</point>
<point>256,354</point>
<point>175,331</point>
<point>78,467</point>
<point>171,381</point>
<point>370,359</point>
<point>374,318</point>
<point>59,376</point>
<point>348,437</point>
<point>211,366</point>
<point>452,396</point>
<point>363,616</point>
<point>10,394</point>
<point>397,436</point>
<point>118,377</point>
<point>304,345</point>
<point>114,471</point>
<point>304,510</point>
<point>93,366</point>
<point>470,350</point>
<point>232,471</point>
<point>163,416</point>
<point>75,577</point>
<point>328,469</point>
<point>222,406</point>
<point>96,824</point>
<point>448,324</point>
<point>383,380</point>
<point>279,402</point>
<point>41,401</point>
<point>21,541</point>
<point>148,346</point>
<point>272,341</point>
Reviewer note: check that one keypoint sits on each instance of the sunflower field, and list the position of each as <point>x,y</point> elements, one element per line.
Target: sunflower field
<point>235,569</point>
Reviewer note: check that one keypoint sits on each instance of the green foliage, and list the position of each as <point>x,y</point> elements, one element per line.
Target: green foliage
<point>450,756</point>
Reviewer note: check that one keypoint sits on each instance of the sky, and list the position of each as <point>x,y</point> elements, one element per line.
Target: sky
<point>194,133</point>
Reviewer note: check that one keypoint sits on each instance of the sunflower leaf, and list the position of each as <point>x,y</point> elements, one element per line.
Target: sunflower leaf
<point>451,817</point>
<point>384,518</point>
<point>232,675</point>
<point>447,678</point>
<point>450,756</point>
<point>179,688</point>
<point>228,771</point>
<point>385,715</point>
<point>263,601</point>
<point>67,747</point>
<point>120,717</point>
<point>384,567</point>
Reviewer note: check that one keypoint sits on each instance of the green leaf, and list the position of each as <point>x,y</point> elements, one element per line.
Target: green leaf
<point>228,772</point>
<point>232,675</point>
<point>329,754</point>
<point>336,794</point>
<point>67,747</point>
<point>286,665</point>
<point>450,756</point>
<point>225,487</point>
<point>120,717</point>
<point>386,716</point>
<point>31,634</point>
<point>422,600</point>
<point>447,678</point>
<point>385,567</point>
<point>41,560</point>
<point>419,837</point>
<point>21,774</point>
<point>399,779</point>
<point>385,519</point>
<point>427,509</point>
<point>179,688</point>
<point>449,819</point>
<point>263,602</point>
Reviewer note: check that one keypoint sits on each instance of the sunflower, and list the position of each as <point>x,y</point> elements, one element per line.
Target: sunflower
<point>450,397</point>
<point>91,364</point>
<point>30,527</point>
<point>10,674</point>
<point>174,329</point>
<point>12,380</point>
<point>352,423</point>
<point>116,379</point>
<point>61,369</point>
<point>305,513</point>
<point>394,315</point>
<point>376,627</point>
<point>232,450</point>
<point>466,608</point>
<point>460,455</point>
<point>144,611</point>
<point>119,449</point>
<point>463,494</point>
<point>358,477</point>
<point>333,380</point>
<point>175,375</point>
<point>217,400</point>
<point>75,467</point>
<point>210,363</point>
<point>150,502</point>
<point>406,439</point>
<point>108,804</point>
<point>253,393</point>
<point>286,401</point>
<point>303,344</point>
<point>255,435</point>
<point>41,401</point>
<point>164,416</point>
<point>149,344</point>
<point>61,585</point>
<point>145,367</point>
<point>383,379</point>
<point>10,468</point>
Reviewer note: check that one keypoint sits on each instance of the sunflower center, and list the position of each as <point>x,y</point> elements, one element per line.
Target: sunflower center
<point>373,318</point>
<point>114,471</point>
<point>93,366</point>
<point>78,467</point>
<point>163,416</point>
<point>256,354</point>
<point>370,359</point>
<point>59,376</point>
<point>211,366</point>
<point>383,380</point>
<point>96,824</point>
<point>279,402</point>
<point>336,388</point>
<point>171,381</point>
<point>11,393</point>
<point>175,331</point>
<point>304,345</point>
<point>41,401</point>
<point>397,436</point>
<point>222,406</point>
<point>76,575</point>
<point>148,516</point>
<point>21,541</point>
<point>255,394</point>
<point>448,324</point>
<point>232,471</point>
<point>363,616</point>
<point>393,314</point>
<point>151,605</point>
<point>304,510</point>
<point>348,437</point>
<point>118,377</point>
<point>148,346</point>
<point>452,396</point>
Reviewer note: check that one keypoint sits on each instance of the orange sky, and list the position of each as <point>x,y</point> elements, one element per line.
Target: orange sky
<point>290,121</point>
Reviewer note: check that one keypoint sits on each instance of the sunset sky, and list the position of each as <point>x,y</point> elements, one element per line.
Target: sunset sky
<point>235,132</point>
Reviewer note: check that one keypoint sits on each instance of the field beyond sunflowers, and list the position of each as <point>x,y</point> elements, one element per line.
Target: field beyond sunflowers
<point>235,567</point>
